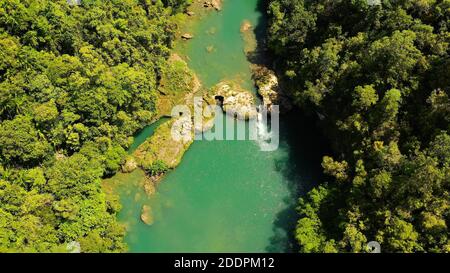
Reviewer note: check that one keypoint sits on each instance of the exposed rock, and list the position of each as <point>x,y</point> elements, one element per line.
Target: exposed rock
<point>268,87</point>
<point>147,215</point>
<point>207,125</point>
<point>129,165</point>
<point>235,101</point>
<point>216,4</point>
<point>187,36</point>
<point>168,144</point>
<point>182,129</point>
<point>265,79</point>
<point>204,121</point>
<point>190,13</point>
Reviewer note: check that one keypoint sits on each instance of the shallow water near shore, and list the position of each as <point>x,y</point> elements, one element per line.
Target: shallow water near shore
<point>225,196</point>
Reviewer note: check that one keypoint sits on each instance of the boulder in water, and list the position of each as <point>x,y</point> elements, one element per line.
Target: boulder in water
<point>147,215</point>
<point>216,4</point>
<point>187,36</point>
<point>235,100</point>
<point>269,89</point>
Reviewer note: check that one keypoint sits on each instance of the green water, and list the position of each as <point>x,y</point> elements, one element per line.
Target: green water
<point>225,196</point>
<point>222,31</point>
<point>144,134</point>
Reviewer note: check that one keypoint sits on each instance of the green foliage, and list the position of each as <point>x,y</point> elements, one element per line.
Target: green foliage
<point>310,232</point>
<point>176,78</point>
<point>21,142</point>
<point>75,83</point>
<point>158,167</point>
<point>365,97</point>
<point>379,74</point>
<point>177,5</point>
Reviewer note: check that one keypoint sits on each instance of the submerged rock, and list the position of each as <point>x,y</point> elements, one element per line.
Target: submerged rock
<point>246,26</point>
<point>147,215</point>
<point>211,31</point>
<point>149,187</point>
<point>235,101</point>
<point>137,197</point>
<point>249,38</point>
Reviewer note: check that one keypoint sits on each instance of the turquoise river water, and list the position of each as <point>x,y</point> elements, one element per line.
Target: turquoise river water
<point>225,196</point>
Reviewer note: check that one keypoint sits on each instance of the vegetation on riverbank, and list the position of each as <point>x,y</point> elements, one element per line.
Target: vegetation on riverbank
<point>165,148</point>
<point>378,77</point>
<point>76,82</point>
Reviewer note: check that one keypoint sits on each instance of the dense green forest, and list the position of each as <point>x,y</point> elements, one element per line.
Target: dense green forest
<point>378,77</point>
<point>75,83</point>
<point>78,81</point>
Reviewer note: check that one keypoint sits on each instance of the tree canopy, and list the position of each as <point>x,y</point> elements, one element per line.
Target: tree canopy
<point>76,82</point>
<point>378,75</point>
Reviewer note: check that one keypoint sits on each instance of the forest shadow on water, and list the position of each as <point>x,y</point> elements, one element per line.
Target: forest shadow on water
<point>260,55</point>
<point>300,166</point>
<point>302,145</point>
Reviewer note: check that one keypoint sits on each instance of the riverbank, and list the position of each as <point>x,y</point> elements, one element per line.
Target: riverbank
<point>179,85</point>
<point>223,190</point>
<point>152,158</point>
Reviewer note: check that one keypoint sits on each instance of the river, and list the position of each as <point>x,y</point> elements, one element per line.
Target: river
<point>225,196</point>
